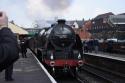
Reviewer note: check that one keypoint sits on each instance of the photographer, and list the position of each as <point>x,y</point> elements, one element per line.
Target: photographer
<point>8,48</point>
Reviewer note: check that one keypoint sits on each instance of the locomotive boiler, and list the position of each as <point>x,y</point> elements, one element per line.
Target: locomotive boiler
<point>59,48</point>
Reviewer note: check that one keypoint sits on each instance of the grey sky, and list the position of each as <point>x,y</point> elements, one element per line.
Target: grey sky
<point>25,12</point>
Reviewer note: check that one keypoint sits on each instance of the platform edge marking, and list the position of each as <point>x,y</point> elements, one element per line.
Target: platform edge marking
<point>47,73</point>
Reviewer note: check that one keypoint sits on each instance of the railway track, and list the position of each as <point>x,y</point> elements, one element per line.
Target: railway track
<point>105,75</point>
<point>69,77</point>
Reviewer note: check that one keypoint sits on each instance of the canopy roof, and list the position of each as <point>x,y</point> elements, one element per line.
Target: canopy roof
<point>16,29</point>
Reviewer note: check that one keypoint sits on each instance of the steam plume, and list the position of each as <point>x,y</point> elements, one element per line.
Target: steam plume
<point>58,5</point>
<point>47,9</point>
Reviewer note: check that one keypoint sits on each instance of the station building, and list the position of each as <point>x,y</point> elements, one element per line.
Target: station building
<point>81,28</point>
<point>108,25</point>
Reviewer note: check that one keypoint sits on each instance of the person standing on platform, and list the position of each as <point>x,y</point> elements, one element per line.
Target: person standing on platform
<point>24,48</point>
<point>96,45</point>
<point>85,46</point>
<point>9,52</point>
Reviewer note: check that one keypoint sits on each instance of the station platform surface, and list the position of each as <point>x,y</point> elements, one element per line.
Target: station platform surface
<point>27,70</point>
<point>108,55</point>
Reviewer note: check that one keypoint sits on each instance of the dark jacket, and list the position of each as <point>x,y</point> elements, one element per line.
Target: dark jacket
<point>24,46</point>
<point>8,48</point>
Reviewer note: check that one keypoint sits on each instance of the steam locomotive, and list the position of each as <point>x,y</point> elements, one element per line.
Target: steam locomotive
<point>58,48</point>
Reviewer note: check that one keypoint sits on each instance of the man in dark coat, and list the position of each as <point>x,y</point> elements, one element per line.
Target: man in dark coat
<point>8,48</point>
<point>24,46</point>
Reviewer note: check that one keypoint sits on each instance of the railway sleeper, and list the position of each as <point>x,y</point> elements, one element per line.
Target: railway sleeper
<point>110,77</point>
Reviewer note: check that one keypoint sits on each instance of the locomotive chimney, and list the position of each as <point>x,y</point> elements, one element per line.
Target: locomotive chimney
<point>61,21</point>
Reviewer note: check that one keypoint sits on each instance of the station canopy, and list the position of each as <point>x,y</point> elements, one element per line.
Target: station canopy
<point>17,30</point>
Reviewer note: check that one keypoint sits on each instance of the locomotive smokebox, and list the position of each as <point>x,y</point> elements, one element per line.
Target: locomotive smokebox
<point>61,21</point>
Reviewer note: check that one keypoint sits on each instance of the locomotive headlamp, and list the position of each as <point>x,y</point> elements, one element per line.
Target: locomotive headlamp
<point>79,56</point>
<point>51,57</point>
<point>52,63</point>
<point>80,62</point>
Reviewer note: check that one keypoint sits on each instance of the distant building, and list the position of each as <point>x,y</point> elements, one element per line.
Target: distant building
<point>118,22</point>
<point>83,30</point>
<point>75,23</point>
<point>107,25</point>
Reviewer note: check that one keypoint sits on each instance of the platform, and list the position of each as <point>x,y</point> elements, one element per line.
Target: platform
<point>28,70</point>
<point>108,55</point>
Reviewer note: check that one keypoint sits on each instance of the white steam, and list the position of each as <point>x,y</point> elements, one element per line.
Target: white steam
<point>57,5</point>
<point>47,9</point>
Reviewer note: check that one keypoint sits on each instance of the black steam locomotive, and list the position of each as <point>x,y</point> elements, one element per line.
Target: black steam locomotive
<point>58,48</point>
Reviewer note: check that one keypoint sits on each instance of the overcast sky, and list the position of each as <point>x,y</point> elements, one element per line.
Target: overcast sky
<point>25,12</point>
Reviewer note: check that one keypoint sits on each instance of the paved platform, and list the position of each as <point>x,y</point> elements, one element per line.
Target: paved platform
<point>108,55</point>
<point>28,70</point>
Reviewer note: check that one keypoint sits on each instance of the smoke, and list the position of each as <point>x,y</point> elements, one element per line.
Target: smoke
<point>47,9</point>
<point>57,5</point>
